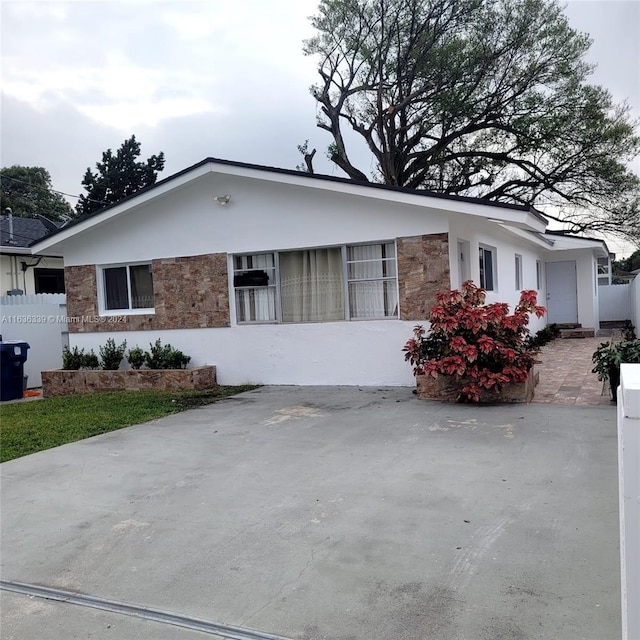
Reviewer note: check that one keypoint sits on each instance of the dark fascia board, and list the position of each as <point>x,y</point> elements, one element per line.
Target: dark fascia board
<point>309,176</point>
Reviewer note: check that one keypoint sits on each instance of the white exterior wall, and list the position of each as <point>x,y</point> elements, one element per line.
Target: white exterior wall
<point>332,353</point>
<point>476,232</point>
<point>261,216</point>
<point>586,273</point>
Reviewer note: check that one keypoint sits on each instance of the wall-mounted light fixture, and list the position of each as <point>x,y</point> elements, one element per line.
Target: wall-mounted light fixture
<point>223,201</point>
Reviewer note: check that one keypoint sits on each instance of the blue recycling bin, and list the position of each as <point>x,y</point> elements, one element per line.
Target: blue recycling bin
<point>13,355</point>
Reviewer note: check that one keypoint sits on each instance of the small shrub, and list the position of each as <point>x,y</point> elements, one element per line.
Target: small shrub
<point>72,359</point>
<point>544,336</point>
<point>91,361</point>
<point>76,359</point>
<point>165,357</point>
<point>112,354</point>
<point>135,358</point>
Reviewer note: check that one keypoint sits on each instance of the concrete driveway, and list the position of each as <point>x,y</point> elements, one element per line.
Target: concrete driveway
<point>325,513</point>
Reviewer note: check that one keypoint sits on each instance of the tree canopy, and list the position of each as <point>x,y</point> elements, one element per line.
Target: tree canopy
<point>484,98</point>
<point>27,191</point>
<point>118,176</point>
<point>628,264</point>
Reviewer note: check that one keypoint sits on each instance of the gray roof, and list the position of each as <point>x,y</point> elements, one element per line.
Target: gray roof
<point>25,230</point>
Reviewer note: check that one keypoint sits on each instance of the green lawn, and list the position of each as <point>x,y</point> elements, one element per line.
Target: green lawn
<point>27,427</point>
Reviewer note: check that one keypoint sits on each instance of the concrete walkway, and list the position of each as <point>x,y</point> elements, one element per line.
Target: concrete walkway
<point>325,514</point>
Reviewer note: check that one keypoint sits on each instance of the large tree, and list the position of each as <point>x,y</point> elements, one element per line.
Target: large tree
<point>487,98</point>
<point>28,192</point>
<point>118,176</point>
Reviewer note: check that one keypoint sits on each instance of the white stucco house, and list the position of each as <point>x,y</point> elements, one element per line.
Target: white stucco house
<point>281,277</point>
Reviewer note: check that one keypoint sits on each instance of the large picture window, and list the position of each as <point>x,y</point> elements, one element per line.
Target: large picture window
<point>317,285</point>
<point>127,287</point>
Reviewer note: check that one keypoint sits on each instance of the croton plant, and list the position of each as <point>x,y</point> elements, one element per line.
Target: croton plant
<point>482,346</point>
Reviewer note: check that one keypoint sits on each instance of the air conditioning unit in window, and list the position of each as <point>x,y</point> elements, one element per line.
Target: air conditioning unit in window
<point>254,278</point>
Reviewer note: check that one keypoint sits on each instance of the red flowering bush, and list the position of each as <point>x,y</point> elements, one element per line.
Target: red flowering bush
<point>482,346</point>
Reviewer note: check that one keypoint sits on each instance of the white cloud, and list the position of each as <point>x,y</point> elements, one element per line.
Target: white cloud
<point>126,116</point>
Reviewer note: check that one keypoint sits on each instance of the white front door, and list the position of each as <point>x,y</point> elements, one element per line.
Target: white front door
<point>562,292</point>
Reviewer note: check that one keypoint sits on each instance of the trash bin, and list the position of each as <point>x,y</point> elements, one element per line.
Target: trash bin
<point>13,355</point>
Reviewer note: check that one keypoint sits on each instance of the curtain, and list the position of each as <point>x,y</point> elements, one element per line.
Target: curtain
<point>372,281</point>
<point>312,285</point>
<point>141,286</point>
<point>115,288</point>
<point>256,304</point>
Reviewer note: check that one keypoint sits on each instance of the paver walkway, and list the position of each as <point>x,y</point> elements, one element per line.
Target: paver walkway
<point>565,373</point>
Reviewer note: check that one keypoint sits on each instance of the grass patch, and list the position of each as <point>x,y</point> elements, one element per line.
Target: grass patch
<point>28,427</point>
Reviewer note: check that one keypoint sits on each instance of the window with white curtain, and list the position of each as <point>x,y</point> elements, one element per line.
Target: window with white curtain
<point>317,285</point>
<point>372,280</point>
<point>127,287</point>
<point>255,287</point>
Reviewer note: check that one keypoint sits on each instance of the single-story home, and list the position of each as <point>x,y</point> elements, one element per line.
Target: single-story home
<point>20,271</point>
<point>282,277</point>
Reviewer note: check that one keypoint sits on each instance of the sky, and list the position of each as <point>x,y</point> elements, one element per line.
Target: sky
<point>198,79</point>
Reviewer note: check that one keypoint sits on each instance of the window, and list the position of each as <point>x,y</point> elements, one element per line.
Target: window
<point>518,265</point>
<point>127,287</point>
<point>48,280</point>
<point>488,280</point>
<point>538,275</point>
<point>255,286</point>
<point>372,280</point>
<point>317,285</point>
<point>604,271</point>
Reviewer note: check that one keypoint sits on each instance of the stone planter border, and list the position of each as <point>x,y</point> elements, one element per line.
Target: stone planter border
<point>447,389</point>
<point>61,382</point>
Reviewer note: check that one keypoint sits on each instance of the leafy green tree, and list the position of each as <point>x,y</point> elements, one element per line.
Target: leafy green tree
<point>118,176</point>
<point>484,98</point>
<point>27,191</point>
<point>628,264</point>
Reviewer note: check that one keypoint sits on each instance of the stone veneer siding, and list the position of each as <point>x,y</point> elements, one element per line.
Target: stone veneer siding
<point>423,270</point>
<point>63,383</point>
<point>189,293</point>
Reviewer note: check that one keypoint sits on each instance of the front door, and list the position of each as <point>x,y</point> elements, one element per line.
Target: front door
<point>562,292</point>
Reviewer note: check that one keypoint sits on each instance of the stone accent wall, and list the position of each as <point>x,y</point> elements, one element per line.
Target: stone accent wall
<point>423,270</point>
<point>189,293</point>
<point>447,389</point>
<point>64,383</point>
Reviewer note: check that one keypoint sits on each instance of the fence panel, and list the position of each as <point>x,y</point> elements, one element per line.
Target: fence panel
<point>40,320</point>
<point>614,302</point>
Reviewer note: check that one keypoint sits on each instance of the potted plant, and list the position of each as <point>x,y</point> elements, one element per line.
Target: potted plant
<point>478,349</point>
<point>608,357</point>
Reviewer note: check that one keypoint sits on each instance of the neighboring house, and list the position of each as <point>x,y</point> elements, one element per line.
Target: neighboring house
<point>626,276</point>
<point>281,277</point>
<point>20,271</point>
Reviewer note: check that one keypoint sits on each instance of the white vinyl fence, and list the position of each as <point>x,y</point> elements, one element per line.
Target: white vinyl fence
<point>635,303</point>
<point>629,483</point>
<point>39,320</point>
<point>614,301</point>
